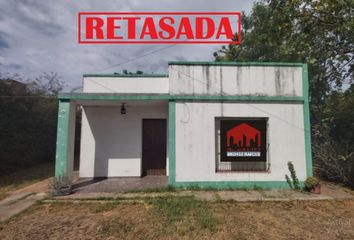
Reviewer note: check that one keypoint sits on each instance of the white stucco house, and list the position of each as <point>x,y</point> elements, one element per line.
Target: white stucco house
<point>206,124</point>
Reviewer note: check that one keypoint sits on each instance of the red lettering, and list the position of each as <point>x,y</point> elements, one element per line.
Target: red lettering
<point>210,27</point>
<point>94,24</point>
<point>166,28</point>
<point>111,28</point>
<point>185,28</point>
<point>149,29</point>
<point>131,26</point>
<point>225,28</point>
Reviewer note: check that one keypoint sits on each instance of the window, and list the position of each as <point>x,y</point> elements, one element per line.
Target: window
<point>242,144</point>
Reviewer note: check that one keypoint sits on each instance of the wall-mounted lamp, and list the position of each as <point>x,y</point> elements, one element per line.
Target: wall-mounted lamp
<point>123,111</point>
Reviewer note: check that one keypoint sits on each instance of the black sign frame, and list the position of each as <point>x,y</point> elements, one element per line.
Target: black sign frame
<point>244,149</point>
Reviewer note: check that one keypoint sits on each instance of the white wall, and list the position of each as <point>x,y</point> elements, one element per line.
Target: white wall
<point>195,140</point>
<point>236,80</point>
<point>126,85</point>
<point>111,143</point>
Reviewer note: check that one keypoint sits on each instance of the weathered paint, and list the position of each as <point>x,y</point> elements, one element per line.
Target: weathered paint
<point>172,141</point>
<point>65,138</point>
<point>196,144</point>
<point>155,97</point>
<point>124,84</point>
<point>235,80</point>
<point>233,63</point>
<point>111,143</point>
<point>231,86</point>
<point>307,125</point>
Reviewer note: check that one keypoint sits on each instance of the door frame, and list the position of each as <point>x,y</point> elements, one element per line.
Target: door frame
<point>142,145</point>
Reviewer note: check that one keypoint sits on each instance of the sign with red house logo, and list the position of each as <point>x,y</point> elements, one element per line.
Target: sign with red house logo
<point>243,140</point>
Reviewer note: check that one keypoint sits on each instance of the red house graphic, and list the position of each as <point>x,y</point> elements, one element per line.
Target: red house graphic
<point>243,135</point>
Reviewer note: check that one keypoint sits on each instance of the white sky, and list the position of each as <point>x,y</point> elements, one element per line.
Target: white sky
<point>39,36</point>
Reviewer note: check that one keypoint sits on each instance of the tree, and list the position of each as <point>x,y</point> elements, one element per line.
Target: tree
<point>321,34</point>
<point>28,119</point>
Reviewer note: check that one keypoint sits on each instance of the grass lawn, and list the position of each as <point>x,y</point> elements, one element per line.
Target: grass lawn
<point>183,218</point>
<point>24,177</point>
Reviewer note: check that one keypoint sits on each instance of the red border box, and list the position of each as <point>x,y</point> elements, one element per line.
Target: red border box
<point>161,42</point>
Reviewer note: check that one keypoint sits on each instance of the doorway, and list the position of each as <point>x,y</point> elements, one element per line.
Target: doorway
<point>154,147</point>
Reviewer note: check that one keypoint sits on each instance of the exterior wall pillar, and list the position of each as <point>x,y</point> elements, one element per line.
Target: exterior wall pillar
<point>172,142</point>
<point>64,158</point>
<point>307,124</point>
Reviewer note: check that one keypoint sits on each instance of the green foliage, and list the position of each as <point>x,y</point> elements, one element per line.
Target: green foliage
<point>294,181</point>
<point>333,159</point>
<point>311,182</point>
<point>289,181</point>
<point>321,34</point>
<point>27,120</point>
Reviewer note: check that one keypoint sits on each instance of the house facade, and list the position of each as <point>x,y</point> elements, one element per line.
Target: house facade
<point>205,124</point>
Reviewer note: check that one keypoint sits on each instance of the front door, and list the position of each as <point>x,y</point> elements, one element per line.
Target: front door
<point>154,147</point>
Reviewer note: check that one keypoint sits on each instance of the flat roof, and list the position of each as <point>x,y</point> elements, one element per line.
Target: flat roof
<point>196,63</point>
<point>143,75</point>
<point>233,63</point>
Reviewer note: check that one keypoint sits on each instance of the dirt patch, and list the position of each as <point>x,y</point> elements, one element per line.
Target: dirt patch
<point>17,182</point>
<point>184,218</point>
<point>336,190</point>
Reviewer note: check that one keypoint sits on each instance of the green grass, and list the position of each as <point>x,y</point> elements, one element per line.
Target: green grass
<point>24,177</point>
<point>174,210</point>
<point>104,207</point>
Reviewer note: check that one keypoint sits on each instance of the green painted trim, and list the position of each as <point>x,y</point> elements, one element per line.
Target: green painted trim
<point>238,98</point>
<point>61,156</point>
<point>307,124</point>
<point>226,63</point>
<point>171,142</point>
<point>144,75</point>
<point>113,96</point>
<point>234,184</point>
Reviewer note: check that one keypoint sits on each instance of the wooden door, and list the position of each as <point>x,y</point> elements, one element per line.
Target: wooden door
<point>154,146</point>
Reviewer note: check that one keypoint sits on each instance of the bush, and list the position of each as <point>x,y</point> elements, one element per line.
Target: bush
<point>28,119</point>
<point>333,160</point>
<point>311,182</point>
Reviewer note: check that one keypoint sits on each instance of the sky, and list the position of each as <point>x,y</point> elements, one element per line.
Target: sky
<point>39,36</point>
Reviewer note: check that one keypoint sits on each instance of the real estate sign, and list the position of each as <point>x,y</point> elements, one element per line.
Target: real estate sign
<point>243,140</point>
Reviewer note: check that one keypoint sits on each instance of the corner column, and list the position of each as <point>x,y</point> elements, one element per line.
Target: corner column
<point>307,124</point>
<point>64,158</point>
<point>172,142</point>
